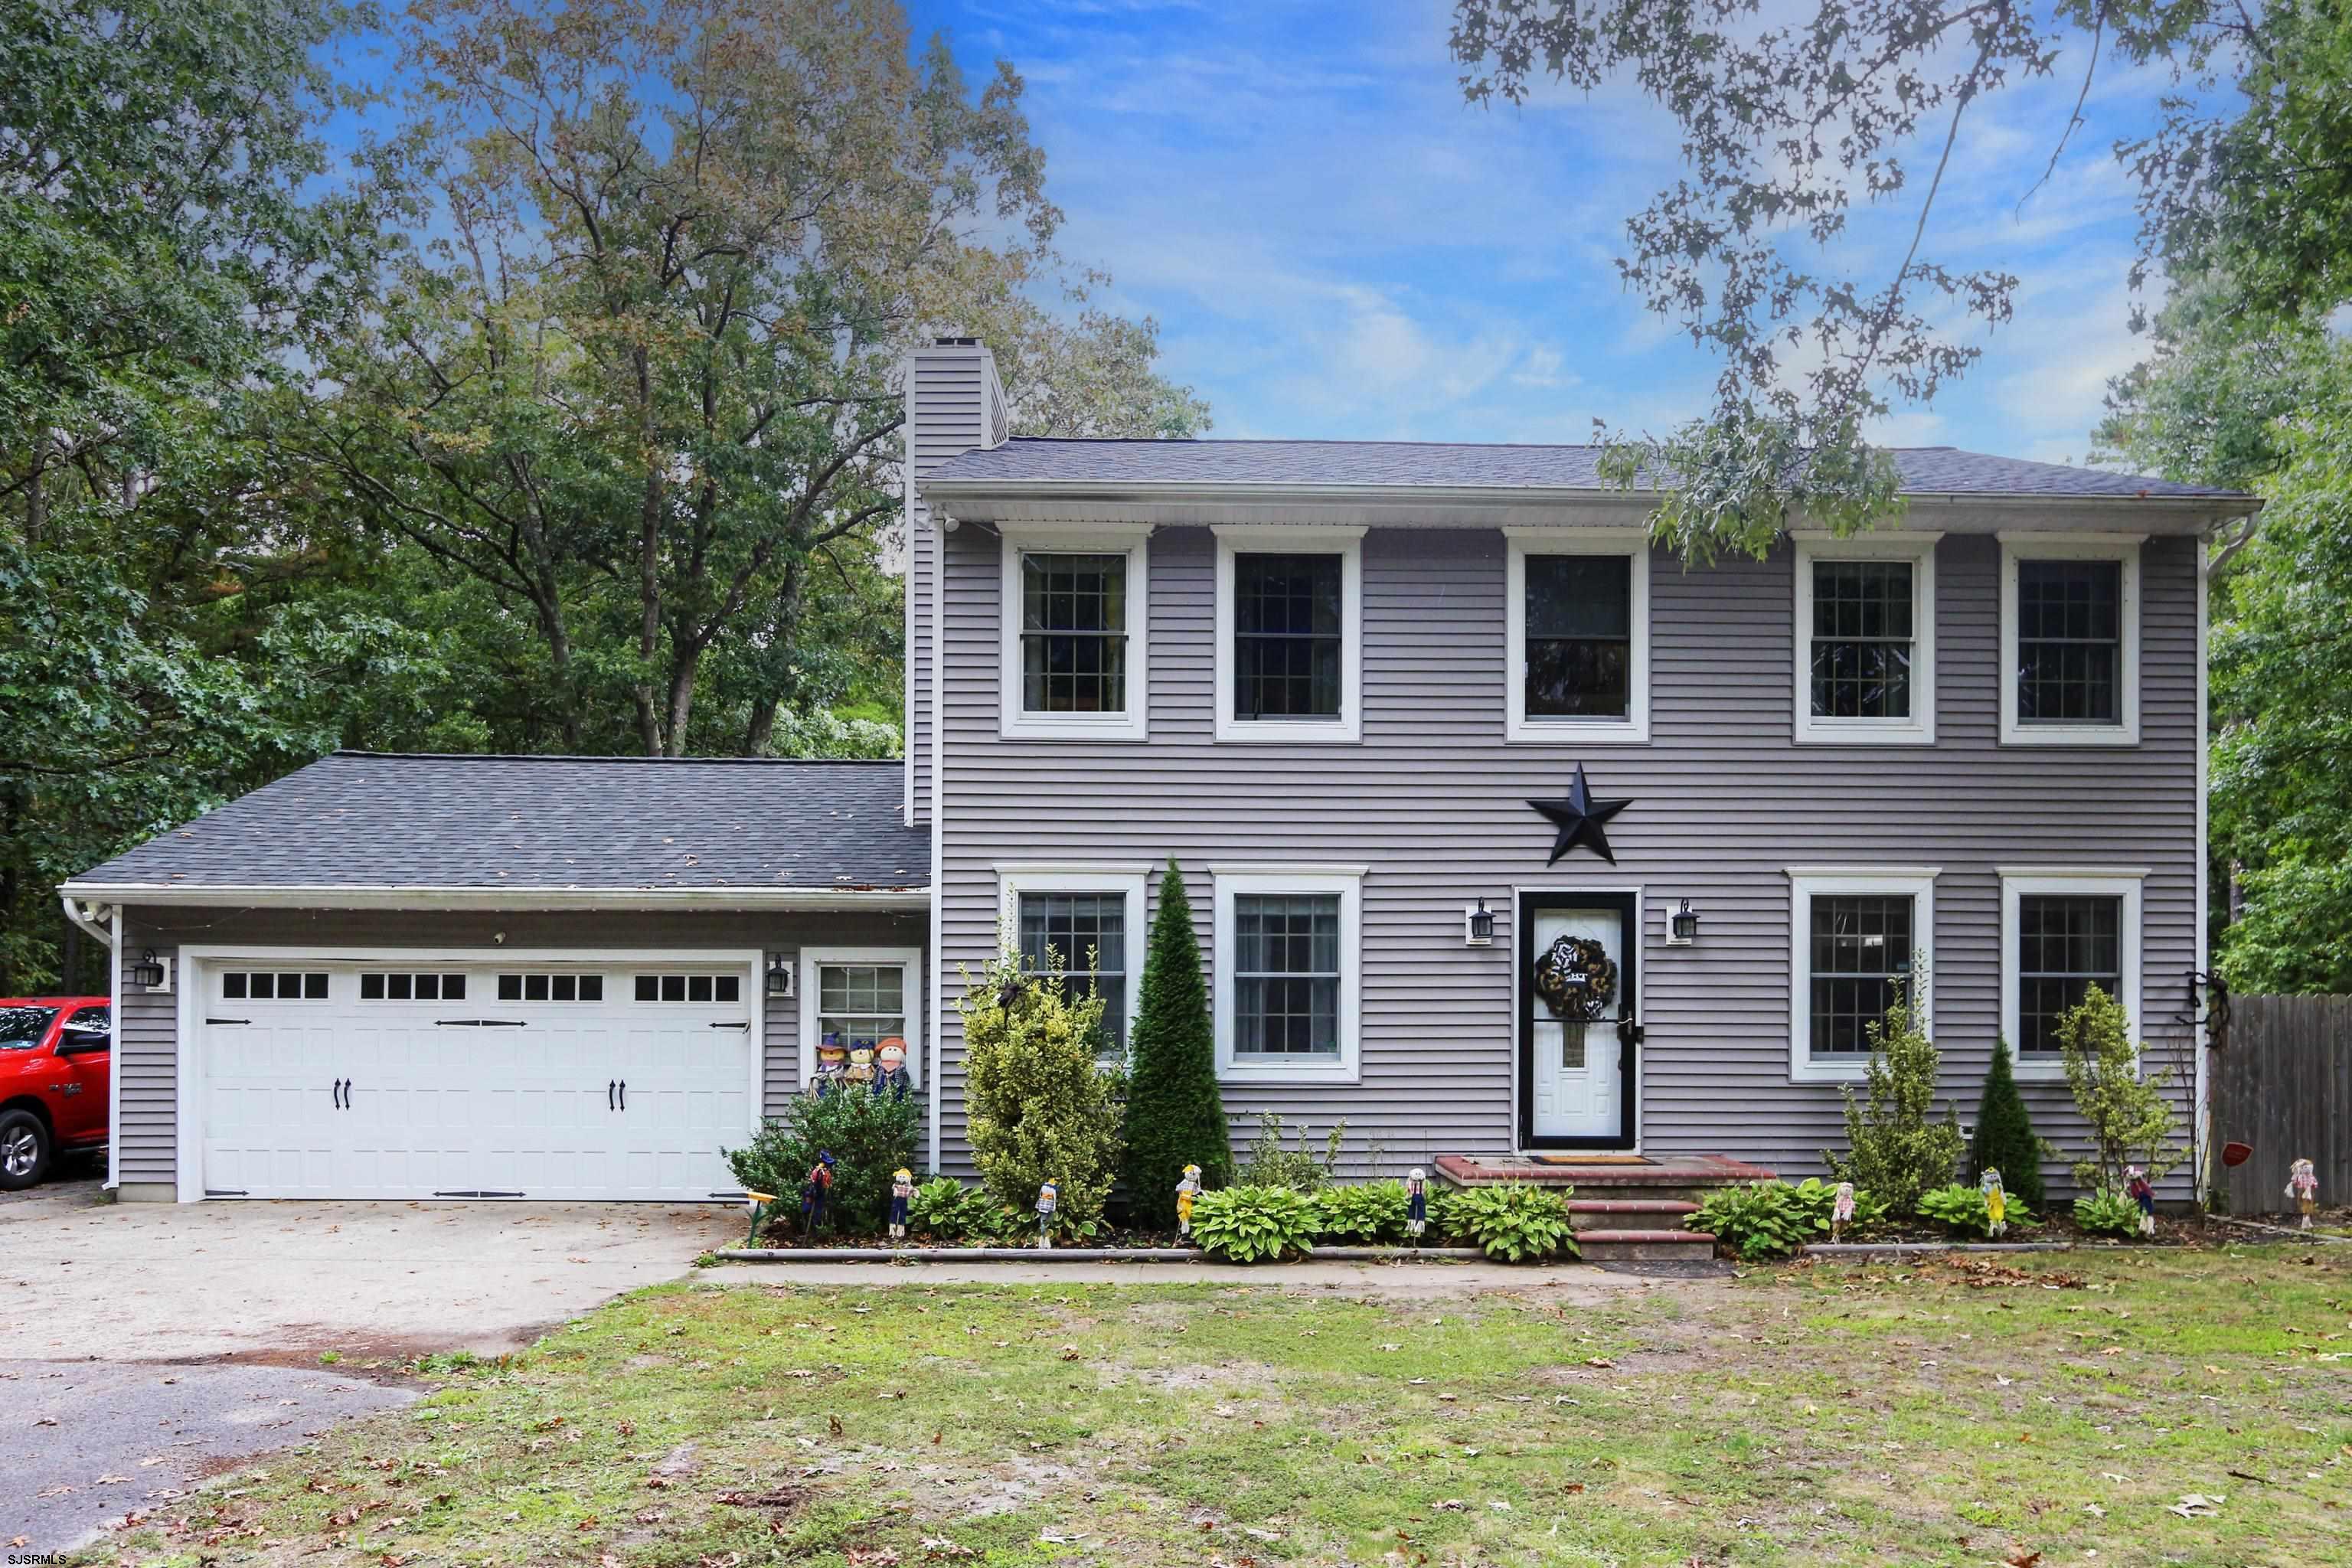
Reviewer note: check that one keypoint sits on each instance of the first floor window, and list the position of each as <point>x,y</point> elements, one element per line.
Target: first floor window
<point>2066,943</point>
<point>1580,637</point>
<point>1861,961</point>
<point>1072,633</point>
<point>1080,938</point>
<point>860,1005</point>
<point>1288,637</point>
<point>2070,642</point>
<point>1286,975</point>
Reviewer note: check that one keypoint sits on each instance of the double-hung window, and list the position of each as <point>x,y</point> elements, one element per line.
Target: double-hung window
<point>1860,942</point>
<point>1578,639</point>
<point>2061,933</point>
<point>1288,972</point>
<point>1084,924</point>
<point>852,998</point>
<point>2070,639</point>
<point>1289,633</point>
<point>1866,642</point>
<point>1074,650</point>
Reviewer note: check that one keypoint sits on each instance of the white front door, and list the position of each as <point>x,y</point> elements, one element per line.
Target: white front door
<point>1577,1010</point>
<point>391,1078</point>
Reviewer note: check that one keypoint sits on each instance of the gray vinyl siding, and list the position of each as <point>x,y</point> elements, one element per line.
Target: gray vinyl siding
<point>1433,800</point>
<point>146,1060</point>
<point>955,405</point>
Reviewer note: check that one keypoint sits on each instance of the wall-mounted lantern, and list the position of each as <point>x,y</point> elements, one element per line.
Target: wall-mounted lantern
<point>779,976</point>
<point>1682,926</point>
<point>150,972</point>
<point>1478,926</point>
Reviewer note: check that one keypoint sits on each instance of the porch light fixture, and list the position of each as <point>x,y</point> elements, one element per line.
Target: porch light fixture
<point>1478,926</point>
<point>148,972</point>
<point>780,977</point>
<point>1681,927</point>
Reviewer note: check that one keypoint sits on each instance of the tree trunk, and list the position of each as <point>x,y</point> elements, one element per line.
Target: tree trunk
<point>681,699</point>
<point>37,500</point>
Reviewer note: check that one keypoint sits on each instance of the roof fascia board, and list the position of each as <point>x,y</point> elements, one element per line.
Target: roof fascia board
<point>438,897</point>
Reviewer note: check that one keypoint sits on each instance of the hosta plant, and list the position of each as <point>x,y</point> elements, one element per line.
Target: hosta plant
<point>947,1210</point>
<point>1515,1222</point>
<point>1963,1209</point>
<point>1255,1224</point>
<point>1361,1212</point>
<point>1772,1220</point>
<point>2108,1214</point>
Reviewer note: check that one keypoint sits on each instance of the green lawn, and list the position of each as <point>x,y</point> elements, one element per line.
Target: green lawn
<point>1808,1414</point>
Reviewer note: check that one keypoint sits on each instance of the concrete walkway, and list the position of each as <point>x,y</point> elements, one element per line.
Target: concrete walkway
<point>1576,1283</point>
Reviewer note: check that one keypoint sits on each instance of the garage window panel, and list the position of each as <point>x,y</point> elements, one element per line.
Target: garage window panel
<point>705,989</point>
<point>271,985</point>
<point>396,985</point>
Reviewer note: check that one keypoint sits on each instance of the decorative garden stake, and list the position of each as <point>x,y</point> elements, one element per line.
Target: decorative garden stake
<point>1841,1211</point>
<point>2303,1186</point>
<point>2142,1191</point>
<point>890,1076</point>
<point>1996,1197</point>
<point>832,1068</point>
<point>1416,1203</point>
<point>902,1188</point>
<point>1047,1196</point>
<point>815,1191</point>
<point>758,1203</point>
<point>1185,1191</point>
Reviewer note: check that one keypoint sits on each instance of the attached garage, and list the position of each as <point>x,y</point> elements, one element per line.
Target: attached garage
<point>532,978</point>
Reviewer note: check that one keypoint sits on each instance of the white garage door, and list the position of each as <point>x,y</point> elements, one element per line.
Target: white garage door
<point>396,1079</point>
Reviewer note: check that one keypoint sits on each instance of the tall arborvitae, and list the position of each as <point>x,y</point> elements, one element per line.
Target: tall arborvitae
<point>1175,1115</point>
<point>2005,1138</point>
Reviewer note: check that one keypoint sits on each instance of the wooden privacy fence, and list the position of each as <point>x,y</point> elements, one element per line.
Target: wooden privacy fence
<point>2282,1083</point>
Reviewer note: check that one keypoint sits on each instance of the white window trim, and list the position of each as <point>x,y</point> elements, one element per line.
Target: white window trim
<point>1348,543</point>
<point>1805,882</point>
<point>1128,880</point>
<point>1522,543</point>
<point>813,958</point>
<point>1813,547</point>
<point>2016,882</point>
<point>2122,547</point>
<point>1016,723</point>
<point>1347,882</point>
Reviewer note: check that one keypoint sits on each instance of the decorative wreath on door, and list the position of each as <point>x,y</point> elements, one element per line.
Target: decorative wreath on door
<point>1577,979</point>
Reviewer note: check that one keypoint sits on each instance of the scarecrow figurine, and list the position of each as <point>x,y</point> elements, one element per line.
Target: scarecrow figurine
<point>814,1192</point>
<point>2303,1186</point>
<point>1186,1190</point>
<point>2138,1188</point>
<point>861,1065</point>
<point>890,1074</point>
<point>1841,1211</point>
<point>902,1188</point>
<point>1047,1195</point>
<point>832,1066</point>
<point>1416,1203</point>
<point>1996,1197</point>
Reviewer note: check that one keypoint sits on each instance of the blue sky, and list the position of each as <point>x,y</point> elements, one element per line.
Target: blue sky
<point>1334,244</point>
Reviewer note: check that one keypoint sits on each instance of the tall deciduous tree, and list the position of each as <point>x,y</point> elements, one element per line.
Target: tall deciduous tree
<point>1175,1113</point>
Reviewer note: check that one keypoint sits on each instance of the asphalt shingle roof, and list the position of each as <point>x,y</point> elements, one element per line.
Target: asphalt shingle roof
<point>1926,471</point>
<point>359,819</point>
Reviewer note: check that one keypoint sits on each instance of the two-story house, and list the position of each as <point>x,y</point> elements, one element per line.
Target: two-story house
<point>1505,833</point>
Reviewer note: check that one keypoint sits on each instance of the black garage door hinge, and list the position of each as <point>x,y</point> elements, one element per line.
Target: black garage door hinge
<point>229,1020</point>
<point>482,1022</point>
<point>224,1192</point>
<point>475,1194</point>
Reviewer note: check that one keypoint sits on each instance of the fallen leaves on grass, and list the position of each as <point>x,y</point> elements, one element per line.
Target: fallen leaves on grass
<point>2197,1505</point>
<point>939,1549</point>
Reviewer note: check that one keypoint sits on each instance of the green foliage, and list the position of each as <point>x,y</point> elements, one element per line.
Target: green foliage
<point>868,1135</point>
<point>1515,1222</point>
<point>2005,1140</point>
<point>1040,1108</point>
<point>1363,1213</point>
<point>2129,1116</point>
<point>1894,1147</point>
<point>1175,1111</point>
<point>2107,1213</point>
<point>1772,1220</point>
<point>1306,1170</point>
<point>946,1210</point>
<point>1962,1208</point>
<point>1255,1224</point>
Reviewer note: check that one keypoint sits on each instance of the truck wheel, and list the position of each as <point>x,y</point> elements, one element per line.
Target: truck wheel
<point>24,1150</point>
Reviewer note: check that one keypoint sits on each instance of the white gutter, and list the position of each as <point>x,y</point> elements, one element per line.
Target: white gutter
<point>111,935</point>
<point>398,896</point>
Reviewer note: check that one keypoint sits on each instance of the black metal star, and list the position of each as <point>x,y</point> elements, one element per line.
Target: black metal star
<point>1579,818</point>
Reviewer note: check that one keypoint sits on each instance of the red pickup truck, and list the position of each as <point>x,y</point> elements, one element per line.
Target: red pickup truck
<point>56,1059</point>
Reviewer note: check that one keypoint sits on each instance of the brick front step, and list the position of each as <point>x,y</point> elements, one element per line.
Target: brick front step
<point>1694,1171</point>
<point>1629,1214</point>
<point>1645,1246</point>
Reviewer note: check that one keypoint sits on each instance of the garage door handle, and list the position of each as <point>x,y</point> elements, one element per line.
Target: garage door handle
<point>624,1094</point>
<point>481,1023</point>
<point>608,1094</point>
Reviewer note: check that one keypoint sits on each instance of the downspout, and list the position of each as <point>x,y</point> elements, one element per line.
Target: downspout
<point>938,522</point>
<point>110,934</point>
<point>2203,1120</point>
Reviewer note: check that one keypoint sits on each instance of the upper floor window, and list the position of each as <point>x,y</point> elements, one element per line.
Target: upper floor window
<point>2070,639</point>
<point>1075,633</point>
<point>1865,644</point>
<point>1578,617</point>
<point>2063,932</point>
<point>1289,633</point>
<point>1861,942</point>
